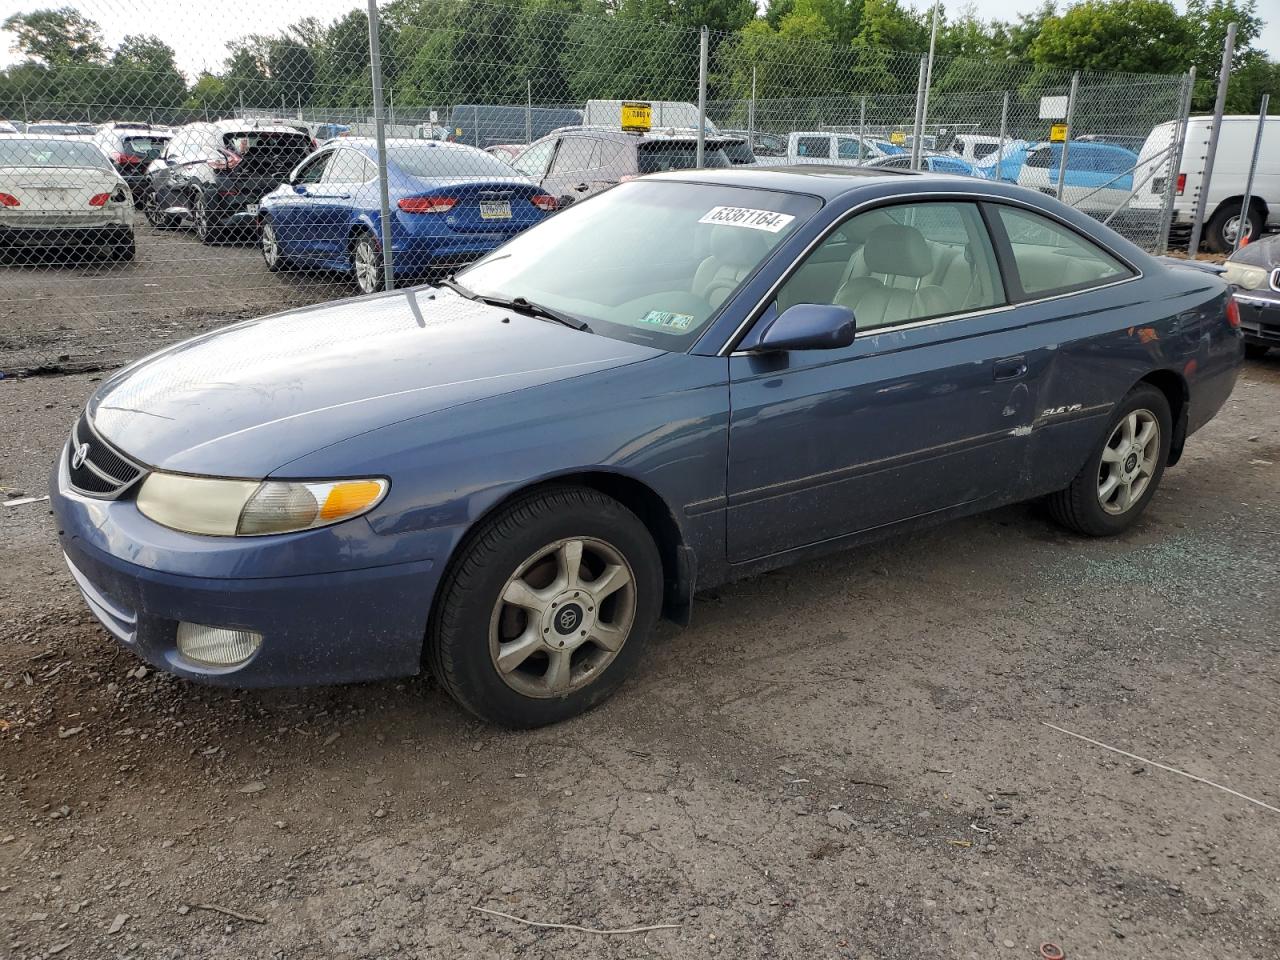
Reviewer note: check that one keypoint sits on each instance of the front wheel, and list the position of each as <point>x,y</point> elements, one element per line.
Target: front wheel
<point>1113,488</point>
<point>366,263</point>
<point>547,609</point>
<point>271,255</point>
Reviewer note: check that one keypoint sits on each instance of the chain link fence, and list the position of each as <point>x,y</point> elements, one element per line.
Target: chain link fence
<point>140,203</point>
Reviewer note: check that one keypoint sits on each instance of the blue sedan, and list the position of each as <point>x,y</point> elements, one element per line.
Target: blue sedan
<point>450,204</point>
<point>691,378</point>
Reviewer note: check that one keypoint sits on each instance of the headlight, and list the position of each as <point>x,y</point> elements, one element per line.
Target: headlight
<point>245,508</point>
<point>1245,276</point>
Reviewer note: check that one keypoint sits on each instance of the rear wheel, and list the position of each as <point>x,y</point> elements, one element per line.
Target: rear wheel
<point>366,262</point>
<point>1113,488</point>
<point>1255,351</point>
<point>1226,223</point>
<point>547,609</point>
<point>155,214</point>
<point>206,230</point>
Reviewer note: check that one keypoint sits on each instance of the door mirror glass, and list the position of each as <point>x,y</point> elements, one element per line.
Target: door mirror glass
<point>809,326</point>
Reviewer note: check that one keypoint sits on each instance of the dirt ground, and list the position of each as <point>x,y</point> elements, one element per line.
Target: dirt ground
<point>845,759</point>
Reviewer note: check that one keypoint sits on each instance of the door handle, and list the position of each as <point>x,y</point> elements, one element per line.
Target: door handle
<point>1010,368</point>
<point>582,187</point>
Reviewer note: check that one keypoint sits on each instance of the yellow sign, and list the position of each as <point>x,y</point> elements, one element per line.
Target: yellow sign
<point>637,116</point>
<point>1058,133</point>
<point>898,138</point>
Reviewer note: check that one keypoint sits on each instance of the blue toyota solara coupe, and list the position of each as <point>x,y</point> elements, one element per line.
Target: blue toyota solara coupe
<point>690,378</point>
<point>450,203</point>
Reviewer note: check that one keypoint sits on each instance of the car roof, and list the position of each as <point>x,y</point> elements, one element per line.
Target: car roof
<point>831,181</point>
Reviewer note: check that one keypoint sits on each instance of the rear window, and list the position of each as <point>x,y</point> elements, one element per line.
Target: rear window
<point>56,129</point>
<point>148,146</point>
<point>428,159</point>
<point>981,150</point>
<point>267,152</point>
<point>659,155</point>
<point>35,152</point>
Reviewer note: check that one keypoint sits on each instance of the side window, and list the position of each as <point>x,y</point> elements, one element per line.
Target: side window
<point>575,154</point>
<point>347,166</point>
<point>533,162</point>
<point>813,147</point>
<point>1050,258</point>
<point>900,264</point>
<point>616,159</point>
<point>847,149</point>
<point>313,170</point>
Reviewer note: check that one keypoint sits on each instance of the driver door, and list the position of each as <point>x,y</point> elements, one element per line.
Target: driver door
<point>924,412</point>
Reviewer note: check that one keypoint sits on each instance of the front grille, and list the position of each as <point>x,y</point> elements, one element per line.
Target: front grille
<point>103,471</point>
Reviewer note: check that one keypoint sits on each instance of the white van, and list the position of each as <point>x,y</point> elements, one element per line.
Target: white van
<point>1230,171</point>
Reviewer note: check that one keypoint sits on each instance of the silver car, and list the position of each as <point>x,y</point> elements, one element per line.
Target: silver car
<point>60,196</point>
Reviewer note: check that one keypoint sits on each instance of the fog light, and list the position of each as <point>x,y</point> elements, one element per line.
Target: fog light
<point>216,646</point>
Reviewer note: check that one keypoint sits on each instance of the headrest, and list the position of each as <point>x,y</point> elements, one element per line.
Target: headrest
<point>898,250</point>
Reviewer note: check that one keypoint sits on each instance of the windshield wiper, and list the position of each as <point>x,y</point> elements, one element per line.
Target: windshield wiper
<point>522,304</point>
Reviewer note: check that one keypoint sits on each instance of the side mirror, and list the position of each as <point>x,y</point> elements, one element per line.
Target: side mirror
<point>299,187</point>
<point>808,326</point>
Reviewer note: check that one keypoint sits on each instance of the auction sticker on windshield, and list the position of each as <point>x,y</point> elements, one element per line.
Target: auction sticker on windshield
<point>747,217</point>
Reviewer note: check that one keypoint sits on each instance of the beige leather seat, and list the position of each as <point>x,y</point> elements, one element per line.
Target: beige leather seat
<point>735,252</point>
<point>898,253</point>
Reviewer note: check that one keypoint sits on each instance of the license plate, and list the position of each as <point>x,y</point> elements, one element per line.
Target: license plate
<point>251,209</point>
<point>495,209</point>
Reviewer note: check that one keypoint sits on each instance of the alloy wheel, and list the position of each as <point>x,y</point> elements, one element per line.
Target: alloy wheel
<point>366,260</point>
<point>201,215</point>
<point>562,617</point>
<point>1128,461</point>
<point>270,245</point>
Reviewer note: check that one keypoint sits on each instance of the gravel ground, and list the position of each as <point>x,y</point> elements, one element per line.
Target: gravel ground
<point>844,759</point>
<point>79,316</point>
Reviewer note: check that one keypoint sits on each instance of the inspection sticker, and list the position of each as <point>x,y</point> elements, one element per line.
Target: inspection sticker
<point>746,217</point>
<point>667,319</point>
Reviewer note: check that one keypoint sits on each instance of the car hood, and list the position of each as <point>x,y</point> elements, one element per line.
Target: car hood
<point>1260,253</point>
<point>249,398</point>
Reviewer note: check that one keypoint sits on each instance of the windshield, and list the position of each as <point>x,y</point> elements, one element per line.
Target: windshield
<point>648,261</point>
<point>428,158</point>
<point>35,152</point>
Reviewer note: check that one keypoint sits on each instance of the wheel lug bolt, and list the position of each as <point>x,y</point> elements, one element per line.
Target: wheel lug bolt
<point>562,643</point>
<point>584,633</point>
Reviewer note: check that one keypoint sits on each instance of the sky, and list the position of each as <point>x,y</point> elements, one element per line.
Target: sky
<point>198,30</point>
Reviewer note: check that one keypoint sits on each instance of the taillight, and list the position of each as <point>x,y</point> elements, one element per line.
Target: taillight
<point>99,199</point>
<point>545,202</point>
<point>1182,183</point>
<point>126,159</point>
<point>427,204</point>
<point>227,162</point>
<point>1233,312</point>
<point>9,200</point>
<point>228,193</point>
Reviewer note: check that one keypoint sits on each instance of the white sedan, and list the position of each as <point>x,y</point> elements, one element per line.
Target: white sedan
<point>60,196</point>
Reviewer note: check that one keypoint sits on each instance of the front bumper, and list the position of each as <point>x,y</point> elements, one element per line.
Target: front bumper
<point>1260,317</point>
<point>317,628</point>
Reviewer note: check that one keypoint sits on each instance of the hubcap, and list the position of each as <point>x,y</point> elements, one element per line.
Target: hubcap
<point>270,248</point>
<point>201,217</point>
<point>1232,228</point>
<point>1128,461</point>
<point>562,617</point>
<point>366,265</point>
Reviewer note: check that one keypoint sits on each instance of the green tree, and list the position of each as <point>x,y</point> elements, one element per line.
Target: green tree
<point>887,24</point>
<point>1135,36</point>
<point>57,37</point>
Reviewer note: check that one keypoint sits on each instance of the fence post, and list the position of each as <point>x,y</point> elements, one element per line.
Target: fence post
<point>380,131</point>
<point>1175,162</point>
<point>703,42</point>
<point>1066,144</point>
<point>917,129</point>
<point>862,127</point>
<point>1253,168</point>
<point>528,111</point>
<point>1224,74</point>
<point>751,112</point>
<point>1004,132</point>
<point>928,73</point>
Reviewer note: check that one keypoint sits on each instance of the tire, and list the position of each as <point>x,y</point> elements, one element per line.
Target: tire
<point>207,231</point>
<point>267,241</point>
<point>366,263</point>
<point>1255,351</point>
<point>155,216</point>
<point>474,626</point>
<point>1080,507</point>
<point>1220,235</point>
